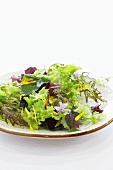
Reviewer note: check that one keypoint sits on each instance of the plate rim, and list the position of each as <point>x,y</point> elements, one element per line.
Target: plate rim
<point>67,135</point>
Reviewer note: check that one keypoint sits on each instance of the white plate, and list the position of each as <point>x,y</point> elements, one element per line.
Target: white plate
<point>24,131</point>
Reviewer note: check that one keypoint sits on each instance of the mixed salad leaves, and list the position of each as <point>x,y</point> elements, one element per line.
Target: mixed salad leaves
<point>51,98</point>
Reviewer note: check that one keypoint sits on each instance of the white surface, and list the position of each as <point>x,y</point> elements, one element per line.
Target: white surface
<point>38,33</point>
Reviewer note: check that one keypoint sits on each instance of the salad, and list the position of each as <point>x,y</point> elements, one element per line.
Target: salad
<point>56,98</point>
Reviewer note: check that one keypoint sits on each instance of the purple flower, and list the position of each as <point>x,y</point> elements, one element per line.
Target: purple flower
<point>60,108</point>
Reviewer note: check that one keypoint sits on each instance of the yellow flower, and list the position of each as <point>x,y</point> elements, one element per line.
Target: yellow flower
<point>50,99</point>
<point>83,88</point>
<point>28,81</point>
<point>21,96</point>
<point>31,128</point>
<point>79,116</point>
<point>46,102</point>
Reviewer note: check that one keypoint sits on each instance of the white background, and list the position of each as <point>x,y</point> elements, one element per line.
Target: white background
<point>42,32</point>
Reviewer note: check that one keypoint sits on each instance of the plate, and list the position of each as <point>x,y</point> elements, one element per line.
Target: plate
<point>24,131</point>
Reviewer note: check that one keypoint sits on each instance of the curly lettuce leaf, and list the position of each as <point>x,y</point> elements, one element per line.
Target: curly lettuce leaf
<point>9,91</point>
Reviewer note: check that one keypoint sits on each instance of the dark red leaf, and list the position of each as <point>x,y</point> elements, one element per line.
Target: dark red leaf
<point>51,87</point>
<point>70,120</point>
<point>18,79</point>
<point>51,123</point>
<point>96,109</point>
<point>30,70</point>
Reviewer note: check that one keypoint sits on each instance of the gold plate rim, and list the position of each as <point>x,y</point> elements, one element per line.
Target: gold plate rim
<point>67,135</point>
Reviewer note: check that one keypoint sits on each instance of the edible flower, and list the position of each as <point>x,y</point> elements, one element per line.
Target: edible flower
<point>46,102</point>
<point>22,95</point>
<point>50,99</point>
<point>28,81</point>
<point>31,128</point>
<point>60,108</point>
<point>83,88</point>
<point>79,116</point>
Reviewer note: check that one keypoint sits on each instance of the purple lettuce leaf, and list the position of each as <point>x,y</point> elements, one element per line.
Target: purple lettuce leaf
<point>96,109</point>
<point>71,122</point>
<point>30,70</point>
<point>51,87</point>
<point>18,79</point>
